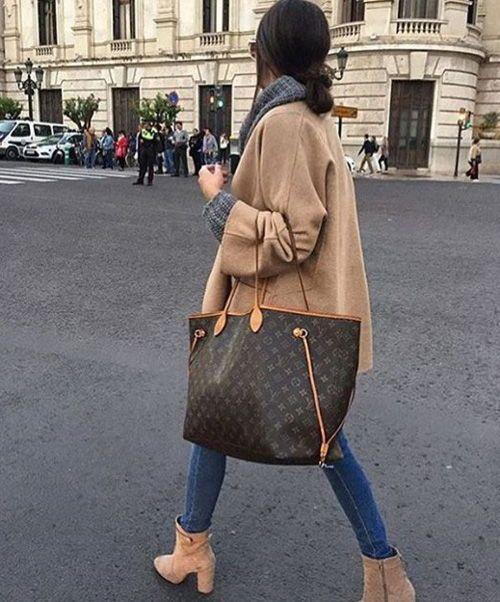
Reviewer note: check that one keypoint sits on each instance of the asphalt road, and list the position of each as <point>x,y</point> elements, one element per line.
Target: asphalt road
<point>97,278</point>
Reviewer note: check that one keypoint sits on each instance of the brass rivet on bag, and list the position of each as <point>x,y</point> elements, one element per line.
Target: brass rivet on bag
<point>199,334</point>
<point>300,333</point>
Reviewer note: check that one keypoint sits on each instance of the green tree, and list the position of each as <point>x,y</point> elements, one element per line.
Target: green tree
<point>9,108</point>
<point>81,110</point>
<point>158,110</point>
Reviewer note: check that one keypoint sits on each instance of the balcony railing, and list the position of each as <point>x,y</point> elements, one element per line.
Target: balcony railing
<point>121,47</point>
<point>46,53</point>
<point>347,31</point>
<point>417,27</point>
<point>214,41</point>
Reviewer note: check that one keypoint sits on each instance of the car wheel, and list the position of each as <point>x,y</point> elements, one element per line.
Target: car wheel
<point>58,157</point>
<point>11,153</point>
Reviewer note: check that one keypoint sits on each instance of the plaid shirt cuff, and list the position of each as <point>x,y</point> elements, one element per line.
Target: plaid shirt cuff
<point>217,211</point>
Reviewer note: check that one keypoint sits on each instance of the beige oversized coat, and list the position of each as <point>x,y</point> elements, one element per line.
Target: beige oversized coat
<point>294,165</point>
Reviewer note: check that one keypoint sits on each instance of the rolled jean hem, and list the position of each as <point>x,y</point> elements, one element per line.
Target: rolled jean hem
<point>189,529</point>
<point>390,554</point>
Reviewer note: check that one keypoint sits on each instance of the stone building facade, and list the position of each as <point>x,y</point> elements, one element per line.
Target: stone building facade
<point>413,64</point>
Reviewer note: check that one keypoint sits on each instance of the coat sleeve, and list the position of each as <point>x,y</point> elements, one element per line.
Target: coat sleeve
<point>292,170</point>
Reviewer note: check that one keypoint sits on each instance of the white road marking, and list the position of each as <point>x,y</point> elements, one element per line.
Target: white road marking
<point>23,178</point>
<point>9,182</point>
<point>21,173</point>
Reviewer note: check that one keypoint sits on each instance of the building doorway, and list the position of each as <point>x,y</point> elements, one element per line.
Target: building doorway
<point>125,117</point>
<point>51,105</point>
<point>410,123</point>
<point>218,121</point>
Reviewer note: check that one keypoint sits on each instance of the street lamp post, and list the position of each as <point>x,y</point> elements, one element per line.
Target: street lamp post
<point>29,85</point>
<point>342,58</point>
<point>463,122</point>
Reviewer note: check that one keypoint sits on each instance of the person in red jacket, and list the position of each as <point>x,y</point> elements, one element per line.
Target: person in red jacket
<point>122,149</point>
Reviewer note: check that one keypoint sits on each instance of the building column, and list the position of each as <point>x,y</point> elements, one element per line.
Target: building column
<point>12,35</point>
<point>455,15</point>
<point>378,17</point>
<point>82,29</point>
<point>166,27</point>
<point>261,7</point>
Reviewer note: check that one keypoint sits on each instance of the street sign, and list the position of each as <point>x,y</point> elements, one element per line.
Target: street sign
<point>345,112</point>
<point>174,98</point>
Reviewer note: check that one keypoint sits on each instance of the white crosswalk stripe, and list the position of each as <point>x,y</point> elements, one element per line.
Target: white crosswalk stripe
<point>46,174</point>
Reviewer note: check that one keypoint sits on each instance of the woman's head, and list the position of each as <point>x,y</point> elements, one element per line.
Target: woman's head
<point>294,39</point>
<point>476,141</point>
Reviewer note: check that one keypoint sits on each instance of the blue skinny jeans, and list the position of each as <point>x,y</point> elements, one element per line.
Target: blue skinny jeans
<point>346,477</point>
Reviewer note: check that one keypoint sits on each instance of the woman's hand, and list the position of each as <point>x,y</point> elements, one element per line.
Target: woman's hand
<point>211,180</point>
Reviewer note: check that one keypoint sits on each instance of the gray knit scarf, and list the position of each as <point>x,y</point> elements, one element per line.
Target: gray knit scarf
<point>283,91</point>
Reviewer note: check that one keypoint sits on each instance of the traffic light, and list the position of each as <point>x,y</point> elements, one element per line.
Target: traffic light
<point>219,94</point>
<point>468,120</point>
<point>212,100</point>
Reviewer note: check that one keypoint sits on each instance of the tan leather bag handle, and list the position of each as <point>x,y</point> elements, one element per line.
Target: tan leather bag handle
<point>257,317</point>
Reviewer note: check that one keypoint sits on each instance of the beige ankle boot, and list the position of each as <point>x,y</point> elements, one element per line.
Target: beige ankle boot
<point>192,554</point>
<point>386,581</point>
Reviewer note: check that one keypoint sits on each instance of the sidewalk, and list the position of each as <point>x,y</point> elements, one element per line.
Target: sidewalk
<point>399,175</point>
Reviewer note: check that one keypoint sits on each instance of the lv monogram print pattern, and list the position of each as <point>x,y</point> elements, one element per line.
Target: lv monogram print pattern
<point>250,394</point>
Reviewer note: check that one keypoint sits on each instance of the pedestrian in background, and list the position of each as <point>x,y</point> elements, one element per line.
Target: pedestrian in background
<point>384,154</point>
<point>108,149</point>
<point>147,144</point>
<point>224,148</point>
<point>376,151</point>
<point>474,160</point>
<point>210,147</point>
<point>169,150</point>
<point>90,147</point>
<point>132,150</point>
<point>160,152</point>
<point>181,140</point>
<point>122,149</point>
<point>272,200</point>
<point>367,150</point>
<point>196,150</point>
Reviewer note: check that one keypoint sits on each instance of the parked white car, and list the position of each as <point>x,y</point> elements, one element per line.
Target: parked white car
<point>53,148</point>
<point>15,134</point>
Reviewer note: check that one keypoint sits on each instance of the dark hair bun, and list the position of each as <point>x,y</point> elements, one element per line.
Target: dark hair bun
<point>294,39</point>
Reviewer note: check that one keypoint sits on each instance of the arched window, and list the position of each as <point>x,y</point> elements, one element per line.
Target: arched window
<point>47,22</point>
<point>472,12</point>
<point>353,11</point>
<point>123,19</point>
<point>418,9</point>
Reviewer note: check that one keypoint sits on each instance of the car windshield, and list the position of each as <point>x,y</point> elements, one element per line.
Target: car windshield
<point>50,140</point>
<point>6,126</point>
<point>68,137</point>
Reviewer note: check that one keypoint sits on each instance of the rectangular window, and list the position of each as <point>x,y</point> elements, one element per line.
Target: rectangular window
<point>225,16</point>
<point>418,9</point>
<point>353,11</point>
<point>472,12</point>
<point>210,16</point>
<point>47,22</point>
<point>123,19</point>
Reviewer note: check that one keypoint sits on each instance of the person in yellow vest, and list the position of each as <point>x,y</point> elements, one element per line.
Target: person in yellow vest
<point>148,143</point>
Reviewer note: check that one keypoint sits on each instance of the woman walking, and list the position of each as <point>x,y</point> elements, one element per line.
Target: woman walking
<point>474,160</point>
<point>210,147</point>
<point>298,199</point>
<point>122,149</point>
<point>224,148</point>
<point>384,154</point>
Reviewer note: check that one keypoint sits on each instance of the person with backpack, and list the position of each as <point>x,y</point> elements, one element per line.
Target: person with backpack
<point>368,150</point>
